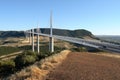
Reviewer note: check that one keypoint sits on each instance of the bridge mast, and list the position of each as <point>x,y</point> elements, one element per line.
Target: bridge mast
<point>30,37</point>
<point>26,35</point>
<point>33,47</point>
<point>38,46</point>
<point>51,44</point>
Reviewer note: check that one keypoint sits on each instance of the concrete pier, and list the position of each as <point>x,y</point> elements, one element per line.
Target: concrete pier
<point>33,47</point>
<point>30,37</point>
<point>51,44</point>
<point>38,46</point>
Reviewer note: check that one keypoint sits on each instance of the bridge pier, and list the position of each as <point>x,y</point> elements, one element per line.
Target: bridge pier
<point>26,35</point>
<point>51,44</point>
<point>38,46</point>
<point>30,37</point>
<point>33,47</point>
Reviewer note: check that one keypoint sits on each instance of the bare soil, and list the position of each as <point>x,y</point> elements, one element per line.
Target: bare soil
<point>87,66</point>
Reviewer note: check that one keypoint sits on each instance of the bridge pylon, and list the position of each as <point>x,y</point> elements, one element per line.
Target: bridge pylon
<point>38,46</point>
<point>33,47</point>
<point>51,43</point>
<point>30,37</point>
<point>26,35</point>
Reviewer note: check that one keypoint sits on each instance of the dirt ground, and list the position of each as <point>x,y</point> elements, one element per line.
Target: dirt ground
<point>87,66</point>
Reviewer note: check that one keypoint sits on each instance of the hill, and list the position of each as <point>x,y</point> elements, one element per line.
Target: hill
<point>6,34</point>
<point>110,38</point>
<point>81,33</point>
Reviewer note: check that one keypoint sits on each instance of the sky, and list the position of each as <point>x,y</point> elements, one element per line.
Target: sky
<point>101,17</point>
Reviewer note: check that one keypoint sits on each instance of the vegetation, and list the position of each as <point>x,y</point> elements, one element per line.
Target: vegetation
<point>28,57</point>
<point>24,59</point>
<point>43,49</point>
<point>91,49</point>
<point>7,67</point>
<point>4,50</point>
<point>72,33</point>
<point>5,34</point>
<point>79,49</point>
<point>82,33</point>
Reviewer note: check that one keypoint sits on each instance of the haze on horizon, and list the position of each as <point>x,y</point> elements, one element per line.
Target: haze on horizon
<point>101,17</point>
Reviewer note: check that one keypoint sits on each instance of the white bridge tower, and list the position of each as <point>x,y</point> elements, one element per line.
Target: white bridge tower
<point>51,43</point>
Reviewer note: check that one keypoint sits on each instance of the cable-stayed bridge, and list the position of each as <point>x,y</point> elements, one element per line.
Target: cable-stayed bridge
<point>106,46</point>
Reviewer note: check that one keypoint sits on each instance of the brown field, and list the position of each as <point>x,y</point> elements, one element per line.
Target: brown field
<point>87,66</point>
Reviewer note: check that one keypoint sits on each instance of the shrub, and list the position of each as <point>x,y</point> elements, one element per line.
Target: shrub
<point>90,49</point>
<point>28,59</point>
<point>30,53</point>
<point>46,54</point>
<point>80,49</point>
<point>41,56</point>
<point>7,67</point>
<point>25,59</point>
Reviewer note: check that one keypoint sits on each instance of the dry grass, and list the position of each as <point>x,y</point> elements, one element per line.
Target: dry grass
<point>63,44</point>
<point>40,69</point>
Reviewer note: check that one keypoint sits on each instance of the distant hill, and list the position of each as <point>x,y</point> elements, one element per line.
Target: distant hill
<point>71,33</point>
<point>62,32</point>
<point>5,34</point>
<point>110,38</point>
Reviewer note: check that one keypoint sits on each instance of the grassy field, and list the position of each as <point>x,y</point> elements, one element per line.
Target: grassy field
<point>4,50</point>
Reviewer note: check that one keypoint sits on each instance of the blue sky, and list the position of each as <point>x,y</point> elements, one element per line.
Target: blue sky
<point>101,17</point>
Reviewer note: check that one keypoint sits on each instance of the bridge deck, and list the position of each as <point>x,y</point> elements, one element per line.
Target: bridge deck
<point>106,46</point>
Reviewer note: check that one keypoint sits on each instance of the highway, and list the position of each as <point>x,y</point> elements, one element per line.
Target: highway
<point>106,46</point>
